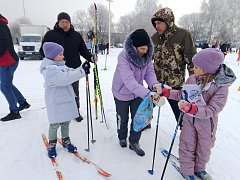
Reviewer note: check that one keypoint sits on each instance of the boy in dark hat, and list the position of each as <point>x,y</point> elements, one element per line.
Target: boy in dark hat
<point>64,34</point>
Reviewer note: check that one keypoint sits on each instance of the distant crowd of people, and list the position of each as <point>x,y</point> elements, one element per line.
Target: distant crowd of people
<point>225,47</point>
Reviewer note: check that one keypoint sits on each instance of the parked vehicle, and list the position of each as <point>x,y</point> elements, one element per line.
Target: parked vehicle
<point>30,40</point>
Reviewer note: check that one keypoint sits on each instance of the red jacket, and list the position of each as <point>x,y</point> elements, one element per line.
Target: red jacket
<point>8,56</point>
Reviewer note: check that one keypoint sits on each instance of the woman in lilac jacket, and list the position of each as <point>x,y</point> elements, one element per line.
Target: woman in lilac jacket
<point>134,65</point>
<point>205,95</point>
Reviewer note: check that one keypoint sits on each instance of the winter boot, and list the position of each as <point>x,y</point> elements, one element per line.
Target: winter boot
<point>79,118</point>
<point>11,116</point>
<point>203,175</point>
<point>23,106</point>
<point>123,143</point>
<point>189,177</point>
<point>52,149</point>
<point>135,147</point>
<point>67,144</point>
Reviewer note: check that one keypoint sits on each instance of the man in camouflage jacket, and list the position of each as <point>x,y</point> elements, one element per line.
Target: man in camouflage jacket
<point>174,49</point>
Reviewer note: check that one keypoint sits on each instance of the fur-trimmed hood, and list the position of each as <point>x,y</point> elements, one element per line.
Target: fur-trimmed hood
<point>133,56</point>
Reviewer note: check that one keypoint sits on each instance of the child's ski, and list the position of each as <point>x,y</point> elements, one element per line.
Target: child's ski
<point>174,160</point>
<point>84,159</point>
<point>53,160</point>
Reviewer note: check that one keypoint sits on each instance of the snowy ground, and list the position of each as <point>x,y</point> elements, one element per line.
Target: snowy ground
<point>23,155</point>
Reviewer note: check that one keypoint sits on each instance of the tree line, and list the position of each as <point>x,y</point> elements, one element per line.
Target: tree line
<point>216,20</point>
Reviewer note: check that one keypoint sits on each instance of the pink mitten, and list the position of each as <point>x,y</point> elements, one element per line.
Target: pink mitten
<point>187,107</point>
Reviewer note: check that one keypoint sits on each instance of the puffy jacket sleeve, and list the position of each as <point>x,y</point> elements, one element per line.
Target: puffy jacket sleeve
<point>128,78</point>
<point>84,51</point>
<point>56,77</point>
<point>150,76</point>
<point>189,52</point>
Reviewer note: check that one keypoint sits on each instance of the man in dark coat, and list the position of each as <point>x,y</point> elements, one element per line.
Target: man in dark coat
<point>8,65</point>
<point>73,44</point>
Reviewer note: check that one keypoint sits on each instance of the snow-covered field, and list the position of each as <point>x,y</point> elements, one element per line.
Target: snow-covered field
<point>24,157</point>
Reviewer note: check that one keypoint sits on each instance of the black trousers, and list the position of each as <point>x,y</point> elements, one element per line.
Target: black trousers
<point>122,109</point>
<point>75,86</point>
<point>175,108</point>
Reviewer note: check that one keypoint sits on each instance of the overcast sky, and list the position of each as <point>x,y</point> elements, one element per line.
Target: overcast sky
<point>45,11</point>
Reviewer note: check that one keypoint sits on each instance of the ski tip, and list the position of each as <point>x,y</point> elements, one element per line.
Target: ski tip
<point>103,173</point>
<point>150,172</point>
<point>43,135</point>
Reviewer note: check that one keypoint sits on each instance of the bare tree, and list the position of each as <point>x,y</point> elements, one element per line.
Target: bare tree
<point>102,21</point>
<point>79,21</point>
<point>144,10</point>
<point>193,23</point>
<point>139,18</point>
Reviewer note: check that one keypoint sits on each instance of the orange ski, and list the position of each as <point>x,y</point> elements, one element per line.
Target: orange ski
<point>53,160</point>
<point>84,159</point>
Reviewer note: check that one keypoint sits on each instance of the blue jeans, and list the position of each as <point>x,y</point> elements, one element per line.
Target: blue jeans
<point>11,93</point>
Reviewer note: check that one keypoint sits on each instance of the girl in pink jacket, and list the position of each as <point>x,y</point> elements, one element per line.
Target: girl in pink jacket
<point>206,91</point>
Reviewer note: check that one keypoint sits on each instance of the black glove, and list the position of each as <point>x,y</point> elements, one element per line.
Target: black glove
<point>93,59</point>
<point>86,66</point>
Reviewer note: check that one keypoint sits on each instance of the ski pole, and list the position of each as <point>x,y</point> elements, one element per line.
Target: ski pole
<point>171,146</point>
<point>87,86</point>
<point>90,113</point>
<point>155,143</point>
<point>174,137</point>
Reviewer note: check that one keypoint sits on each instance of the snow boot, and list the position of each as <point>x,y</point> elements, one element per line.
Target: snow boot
<point>11,116</point>
<point>67,144</point>
<point>203,175</point>
<point>23,106</point>
<point>189,177</point>
<point>123,143</point>
<point>52,149</point>
<point>135,147</point>
<point>79,118</point>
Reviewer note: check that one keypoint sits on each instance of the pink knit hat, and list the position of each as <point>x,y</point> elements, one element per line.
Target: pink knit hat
<point>208,59</point>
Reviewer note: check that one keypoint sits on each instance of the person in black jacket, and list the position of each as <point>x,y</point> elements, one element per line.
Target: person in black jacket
<point>64,34</point>
<point>8,65</point>
<point>224,48</point>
